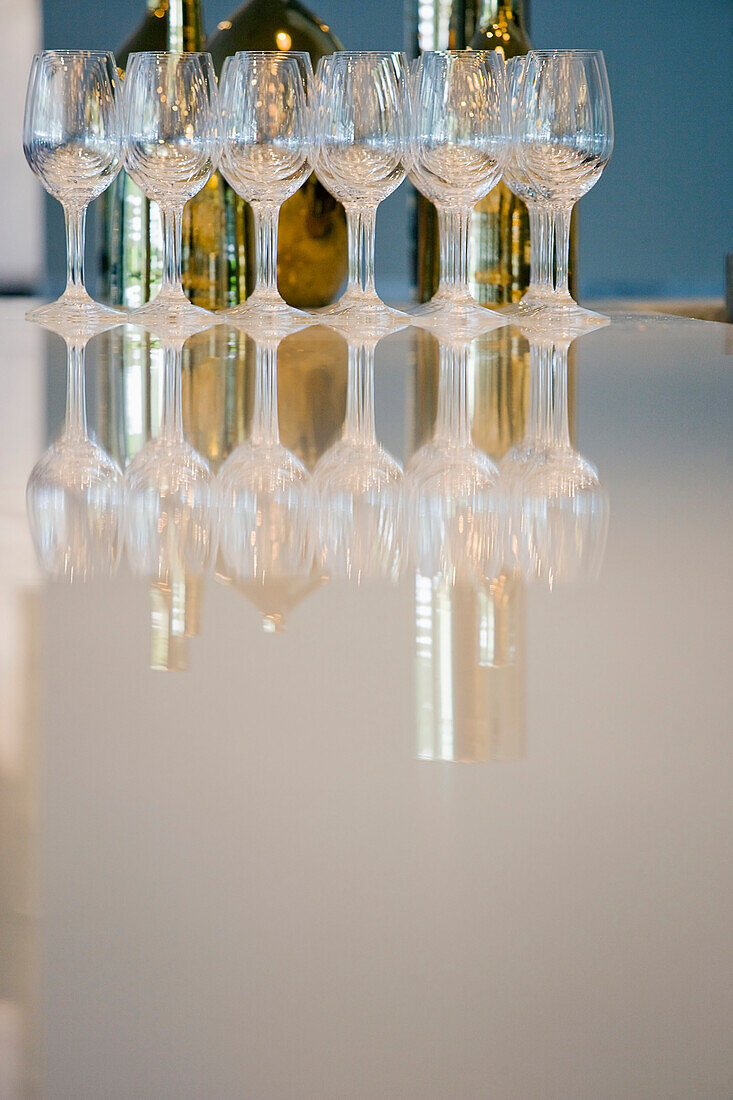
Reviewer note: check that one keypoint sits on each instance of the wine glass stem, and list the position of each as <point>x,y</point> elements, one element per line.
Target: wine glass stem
<point>76,405</point>
<point>75,218</point>
<point>535,245</point>
<point>172,219</point>
<point>445,244</point>
<point>171,423</point>
<point>458,252</point>
<point>560,422</point>
<point>533,432</point>
<point>353,230</point>
<point>562,241</point>
<point>266,218</point>
<point>264,417</point>
<point>452,421</point>
<point>546,254</point>
<point>359,425</point>
<point>368,229</point>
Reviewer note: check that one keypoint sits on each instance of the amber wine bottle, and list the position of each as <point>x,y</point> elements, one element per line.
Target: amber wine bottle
<point>312,255</point>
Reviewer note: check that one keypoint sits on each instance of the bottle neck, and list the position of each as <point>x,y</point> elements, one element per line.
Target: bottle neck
<point>185,23</point>
<point>495,12</point>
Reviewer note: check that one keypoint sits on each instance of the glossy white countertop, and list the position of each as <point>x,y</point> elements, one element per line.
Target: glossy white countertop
<point>239,881</point>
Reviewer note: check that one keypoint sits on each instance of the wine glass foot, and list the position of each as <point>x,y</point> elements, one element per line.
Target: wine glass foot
<point>456,318</point>
<point>76,311</point>
<point>365,317</point>
<point>562,317</point>
<point>265,318</point>
<point>174,316</point>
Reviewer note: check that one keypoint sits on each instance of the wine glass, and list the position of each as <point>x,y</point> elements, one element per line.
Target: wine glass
<point>452,488</point>
<point>74,495</point>
<point>265,505</point>
<point>563,506</point>
<point>170,515</point>
<point>362,130</point>
<point>171,116</point>
<point>541,222</point>
<point>72,140</point>
<point>267,126</point>
<point>563,138</point>
<point>358,485</point>
<point>458,144</point>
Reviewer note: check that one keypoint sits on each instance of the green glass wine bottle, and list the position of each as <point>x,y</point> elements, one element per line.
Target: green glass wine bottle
<point>312,244</point>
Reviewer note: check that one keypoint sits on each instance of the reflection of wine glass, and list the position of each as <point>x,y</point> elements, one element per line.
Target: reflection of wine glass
<point>74,493</point>
<point>170,494</point>
<point>452,487</point>
<point>265,502</point>
<point>515,463</point>
<point>358,512</point>
<point>564,509</point>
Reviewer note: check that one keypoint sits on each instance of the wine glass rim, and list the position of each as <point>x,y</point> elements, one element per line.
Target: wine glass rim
<point>168,53</point>
<point>367,53</point>
<point>463,55</point>
<point>272,53</point>
<point>565,53</point>
<point>74,53</point>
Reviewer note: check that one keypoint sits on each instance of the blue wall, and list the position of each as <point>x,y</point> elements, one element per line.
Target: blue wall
<point>659,221</point>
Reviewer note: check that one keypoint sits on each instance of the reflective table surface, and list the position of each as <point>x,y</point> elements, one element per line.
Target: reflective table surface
<point>370,787</point>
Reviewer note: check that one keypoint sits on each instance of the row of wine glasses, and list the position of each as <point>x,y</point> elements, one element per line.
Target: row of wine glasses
<point>453,514</point>
<point>453,121</point>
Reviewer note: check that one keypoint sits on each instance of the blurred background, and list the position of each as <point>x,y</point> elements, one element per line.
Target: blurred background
<point>658,224</point>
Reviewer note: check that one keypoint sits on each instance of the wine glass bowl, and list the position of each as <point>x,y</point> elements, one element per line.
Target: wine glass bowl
<point>565,512</point>
<point>72,140</point>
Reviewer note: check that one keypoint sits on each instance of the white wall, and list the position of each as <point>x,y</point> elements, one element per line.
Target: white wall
<point>21,225</point>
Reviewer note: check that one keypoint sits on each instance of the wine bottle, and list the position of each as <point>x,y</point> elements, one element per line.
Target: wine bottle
<point>312,255</point>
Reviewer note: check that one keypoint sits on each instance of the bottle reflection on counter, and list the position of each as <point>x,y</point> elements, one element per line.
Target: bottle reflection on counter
<point>469,670</point>
<point>469,632</point>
